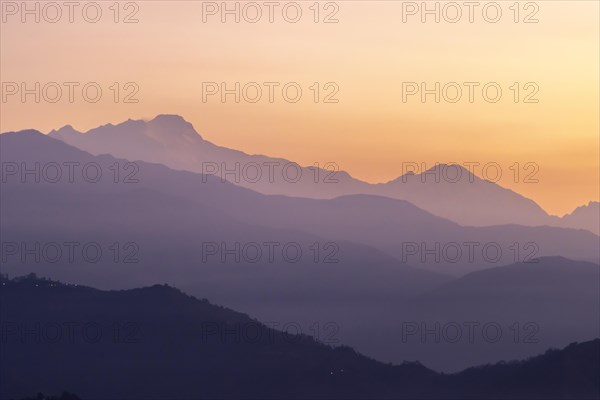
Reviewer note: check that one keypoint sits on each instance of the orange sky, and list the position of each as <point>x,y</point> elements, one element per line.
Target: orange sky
<point>368,54</point>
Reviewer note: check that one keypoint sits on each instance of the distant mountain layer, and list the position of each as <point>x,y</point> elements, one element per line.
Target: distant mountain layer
<point>395,227</point>
<point>449,191</point>
<point>159,343</point>
<point>584,217</point>
<point>353,269</point>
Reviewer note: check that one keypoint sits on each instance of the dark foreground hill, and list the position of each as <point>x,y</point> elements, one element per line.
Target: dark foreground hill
<point>159,343</point>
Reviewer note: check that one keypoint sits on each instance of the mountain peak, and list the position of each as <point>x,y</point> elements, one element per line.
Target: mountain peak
<point>170,118</point>
<point>173,125</point>
<point>445,166</point>
<point>451,172</point>
<point>64,132</point>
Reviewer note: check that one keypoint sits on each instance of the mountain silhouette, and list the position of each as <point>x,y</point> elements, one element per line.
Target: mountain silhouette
<point>584,217</point>
<point>369,291</point>
<point>449,191</point>
<point>160,343</point>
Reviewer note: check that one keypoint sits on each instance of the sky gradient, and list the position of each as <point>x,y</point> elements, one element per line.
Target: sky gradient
<point>368,54</point>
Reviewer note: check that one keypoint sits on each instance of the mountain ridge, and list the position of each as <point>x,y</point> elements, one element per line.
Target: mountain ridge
<point>142,323</point>
<point>476,203</point>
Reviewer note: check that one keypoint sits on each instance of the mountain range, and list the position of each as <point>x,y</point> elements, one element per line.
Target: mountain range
<point>160,343</point>
<point>448,191</point>
<point>370,291</point>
